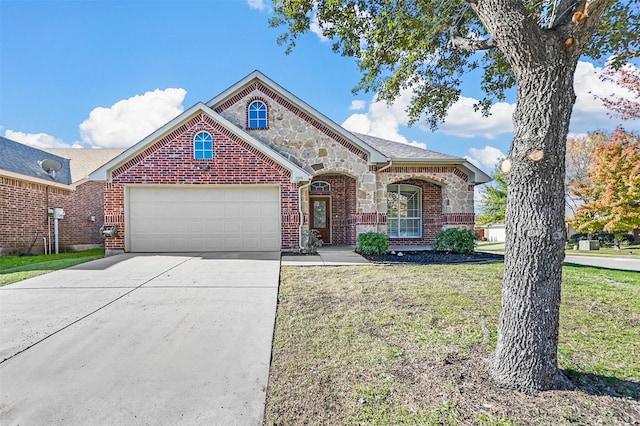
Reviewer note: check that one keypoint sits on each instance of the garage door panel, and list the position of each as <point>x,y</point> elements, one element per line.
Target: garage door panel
<point>166,219</point>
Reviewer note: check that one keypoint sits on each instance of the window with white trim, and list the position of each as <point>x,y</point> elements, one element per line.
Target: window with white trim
<point>203,146</point>
<point>404,211</point>
<point>320,186</point>
<point>257,115</point>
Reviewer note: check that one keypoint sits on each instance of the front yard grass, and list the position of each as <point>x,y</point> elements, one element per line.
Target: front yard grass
<point>18,268</point>
<point>408,344</point>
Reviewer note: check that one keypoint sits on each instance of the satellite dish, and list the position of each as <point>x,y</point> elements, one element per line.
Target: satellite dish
<point>51,166</point>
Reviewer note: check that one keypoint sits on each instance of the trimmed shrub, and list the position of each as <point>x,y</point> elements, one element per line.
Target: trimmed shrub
<point>455,240</point>
<point>372,243</point>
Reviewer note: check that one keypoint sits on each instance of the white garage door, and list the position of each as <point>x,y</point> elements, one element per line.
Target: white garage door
<point>188,219</point>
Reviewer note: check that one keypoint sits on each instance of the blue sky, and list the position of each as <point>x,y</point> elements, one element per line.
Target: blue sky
<point>107,73</point>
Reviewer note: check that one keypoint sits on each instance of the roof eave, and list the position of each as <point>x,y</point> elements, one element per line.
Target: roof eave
<point>14,175</point>
<point>104,173</point>
<point>476,176</point>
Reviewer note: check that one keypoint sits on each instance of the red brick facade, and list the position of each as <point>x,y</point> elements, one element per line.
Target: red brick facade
<point>170,161</point>
<point>344,215</point>
<point>432,218</point>
<point>343,208</point>
<point>25,206</point>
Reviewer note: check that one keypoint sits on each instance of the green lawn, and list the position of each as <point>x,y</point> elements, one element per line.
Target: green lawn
<point>408,344</point>
<point>18,268</point>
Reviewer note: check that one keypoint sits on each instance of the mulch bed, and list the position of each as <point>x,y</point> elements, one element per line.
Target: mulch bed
<point>434,257</point>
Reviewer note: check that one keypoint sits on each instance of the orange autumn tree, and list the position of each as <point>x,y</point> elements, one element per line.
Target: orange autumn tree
<point>577,162</point>
<point>611,189</point>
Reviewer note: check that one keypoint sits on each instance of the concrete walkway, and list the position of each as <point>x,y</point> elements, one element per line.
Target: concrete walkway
<point>140,340</point>
<point>327,256</point>
<point>619,263</point>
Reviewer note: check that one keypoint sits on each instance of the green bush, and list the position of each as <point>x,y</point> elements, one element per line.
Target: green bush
<point>372,243</point>
<point>455,240</point>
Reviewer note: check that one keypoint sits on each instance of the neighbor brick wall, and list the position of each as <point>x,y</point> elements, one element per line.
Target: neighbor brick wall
<point>170,161</point>
<point>24,208</point>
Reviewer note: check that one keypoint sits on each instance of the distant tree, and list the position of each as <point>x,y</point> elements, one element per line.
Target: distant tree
<point>430,47</point>
<point>577,161</point>
<point>611,189</point>
<point>494,200</point>
<point>629,78</point>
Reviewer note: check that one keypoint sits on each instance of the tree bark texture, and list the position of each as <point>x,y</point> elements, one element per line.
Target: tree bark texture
<point>526,352</point>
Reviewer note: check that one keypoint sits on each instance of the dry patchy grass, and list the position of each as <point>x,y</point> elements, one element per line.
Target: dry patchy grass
<point>408,344</point>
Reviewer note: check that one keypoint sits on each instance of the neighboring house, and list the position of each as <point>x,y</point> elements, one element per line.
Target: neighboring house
<point>255,167</point>
<point>33,182</point>
<point>495,232</point>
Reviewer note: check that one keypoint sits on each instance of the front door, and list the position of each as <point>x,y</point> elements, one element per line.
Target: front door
<point>320,217</point>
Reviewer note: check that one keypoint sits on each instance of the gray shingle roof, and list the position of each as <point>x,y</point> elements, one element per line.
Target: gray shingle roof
<point>23,159</point>
<point>84,161</point>
<point>397,150</point>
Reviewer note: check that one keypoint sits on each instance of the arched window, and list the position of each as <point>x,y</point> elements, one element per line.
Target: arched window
<point>257,115</point>
<point>203,146</point>
<point>320,186</point>
<point>404,211</point>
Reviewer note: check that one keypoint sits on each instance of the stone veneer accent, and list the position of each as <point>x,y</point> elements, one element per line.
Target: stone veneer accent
<point>448,195</point>
<point>305,140</point>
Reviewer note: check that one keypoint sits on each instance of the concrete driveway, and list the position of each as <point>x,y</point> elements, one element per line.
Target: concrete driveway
<point>140,339</point>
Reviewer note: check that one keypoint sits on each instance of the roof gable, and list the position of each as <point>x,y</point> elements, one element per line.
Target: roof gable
<point>26,160</point>
<point>136,152</point>
<point>300,108</point>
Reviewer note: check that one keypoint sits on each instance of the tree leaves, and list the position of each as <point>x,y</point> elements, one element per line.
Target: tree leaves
<point>408,43</point>
<point>494,200</point>
<point>611,189</point>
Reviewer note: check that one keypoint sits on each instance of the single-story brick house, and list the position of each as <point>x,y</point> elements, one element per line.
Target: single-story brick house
<point>256,167</point>
<point>33,182</point>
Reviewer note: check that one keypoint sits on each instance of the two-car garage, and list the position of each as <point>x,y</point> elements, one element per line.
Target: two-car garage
<point>195,218</point>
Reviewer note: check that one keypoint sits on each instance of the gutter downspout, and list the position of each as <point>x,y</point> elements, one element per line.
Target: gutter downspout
<point>375,196</point>
<point>301,214</point>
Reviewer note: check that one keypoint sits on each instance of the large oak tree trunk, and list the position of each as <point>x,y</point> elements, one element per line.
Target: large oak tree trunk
<point>526,353</point>
<point>544,63</point>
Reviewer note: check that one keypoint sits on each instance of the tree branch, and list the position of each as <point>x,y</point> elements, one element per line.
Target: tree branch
<point>461,42</point>
<point>563,12</point>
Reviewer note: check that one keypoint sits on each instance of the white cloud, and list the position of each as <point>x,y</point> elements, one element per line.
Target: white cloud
<point>463,121</point>
<point>382,119</point>
<point>316,28</point>
<point>38,140</point>
<point>258,5</point>
<point>128,121</point>
<point>589,113</point>
<point>357,105</point>
<point>486,158</point>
